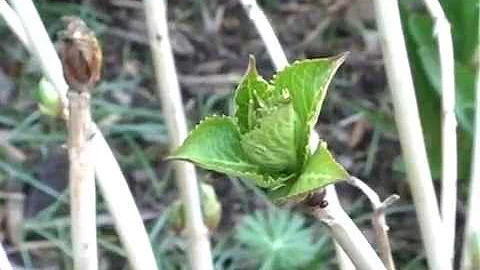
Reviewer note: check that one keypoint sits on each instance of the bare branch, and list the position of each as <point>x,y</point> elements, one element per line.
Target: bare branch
<point>41,47</point>
<point>266,32</point>
<point>169,91</point>
<point>4,263</point>
<point>378,219</point>
<point>82,183</point>
<point>410,131</point>
<point>346,233</point>
<point>14,23</point>
<point>449,123</point>
<point>111,181</point>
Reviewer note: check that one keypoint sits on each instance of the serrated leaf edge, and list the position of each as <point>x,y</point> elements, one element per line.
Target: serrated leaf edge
<point>289,195</point>
<point>261,180</point>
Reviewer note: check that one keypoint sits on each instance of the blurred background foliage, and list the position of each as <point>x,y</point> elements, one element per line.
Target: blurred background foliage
<point>423,53</point>
<point>211,42</point>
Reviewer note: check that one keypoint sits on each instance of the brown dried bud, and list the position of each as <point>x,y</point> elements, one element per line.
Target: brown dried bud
<point>80,53</point>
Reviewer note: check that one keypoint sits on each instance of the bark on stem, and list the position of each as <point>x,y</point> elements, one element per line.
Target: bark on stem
<point>346,233</point>
<point>14,23</point>
<point>82,183</point>
<point>121,204</point>
<point>41,46</point>
<point>378,220</point>
<point>449,123</point>
<point>409,128</point>
<point>4,263</point>
<point>169,91</point>
<point>111,181</point>
<point>344,262</point>
<point>260,21</point>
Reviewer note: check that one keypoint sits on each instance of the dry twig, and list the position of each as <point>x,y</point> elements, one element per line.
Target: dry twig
<point>14,23</point>
<point>82,57</point>
<point>4,263</point>
<point>260,21</point>
<point>169,92</point>
<point>448,200</point>
<point>345,232</point>
<point>111,180</point>
<point>410,131</point>
<point>378,219</point>
<point>82,183</point>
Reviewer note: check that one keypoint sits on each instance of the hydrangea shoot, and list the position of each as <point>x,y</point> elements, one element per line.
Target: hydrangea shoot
<point>267,138</point>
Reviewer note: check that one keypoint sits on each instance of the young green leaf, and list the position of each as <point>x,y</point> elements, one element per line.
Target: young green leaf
<point>463,17</point>
<point>421,30</point>
<point>307,81</point>
<point>267,139</point>
<point>215,145</point>
<point>250,95</point>
<point>272,142</point>
<point>423,55</point>
<point>320,171</point>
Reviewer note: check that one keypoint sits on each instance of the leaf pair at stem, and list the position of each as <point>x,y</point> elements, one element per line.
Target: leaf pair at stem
<point>267,138</point>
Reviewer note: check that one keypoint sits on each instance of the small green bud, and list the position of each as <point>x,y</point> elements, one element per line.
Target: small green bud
<point>49,102</point>
<point>211,210</point>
